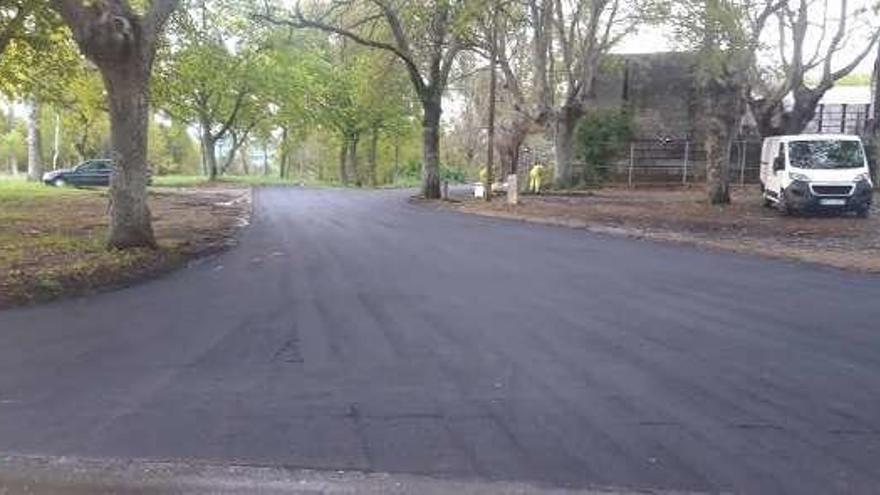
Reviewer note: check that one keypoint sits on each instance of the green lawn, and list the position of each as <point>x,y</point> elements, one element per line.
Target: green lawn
<point>53,240</point>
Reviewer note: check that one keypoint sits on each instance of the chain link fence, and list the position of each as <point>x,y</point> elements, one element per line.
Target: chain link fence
<point>664,162</point>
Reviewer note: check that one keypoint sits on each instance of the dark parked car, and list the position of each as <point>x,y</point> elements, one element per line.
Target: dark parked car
<point>89,173</point>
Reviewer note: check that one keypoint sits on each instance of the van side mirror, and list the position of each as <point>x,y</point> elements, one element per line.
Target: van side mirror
<point>779,163</point>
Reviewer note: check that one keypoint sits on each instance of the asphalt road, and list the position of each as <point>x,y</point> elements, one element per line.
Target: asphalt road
<point>355,331</point>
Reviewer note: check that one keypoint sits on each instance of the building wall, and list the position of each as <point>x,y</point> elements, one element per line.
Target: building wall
<point>657,88</point>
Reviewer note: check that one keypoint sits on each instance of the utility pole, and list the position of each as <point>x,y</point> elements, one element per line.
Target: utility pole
<point>493,83</point>
<point>874,128</point>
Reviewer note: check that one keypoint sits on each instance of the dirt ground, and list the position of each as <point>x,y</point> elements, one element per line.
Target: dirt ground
<point>52,243</point>
<point>683,215</point>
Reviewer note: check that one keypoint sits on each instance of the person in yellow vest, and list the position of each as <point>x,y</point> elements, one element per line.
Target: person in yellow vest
<point>536,176</point>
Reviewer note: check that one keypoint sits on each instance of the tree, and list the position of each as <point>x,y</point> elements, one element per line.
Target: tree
<point>803,46</point>
<point>425,36</point>
<point>122,43</point>
<point>33,47</point>
<point>582,31</point>
<point>24,20</point>
<point>725,35</point>
<point>211,76</point>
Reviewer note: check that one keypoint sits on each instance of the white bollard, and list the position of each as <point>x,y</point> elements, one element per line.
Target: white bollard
<point>512,189</point>
<point>479,190</point>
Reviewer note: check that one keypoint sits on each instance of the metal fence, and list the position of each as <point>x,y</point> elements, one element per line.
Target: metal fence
<point>667,162</point>
<point>840,118</point>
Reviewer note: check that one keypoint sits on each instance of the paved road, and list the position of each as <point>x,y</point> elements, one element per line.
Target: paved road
<point>352,330</point>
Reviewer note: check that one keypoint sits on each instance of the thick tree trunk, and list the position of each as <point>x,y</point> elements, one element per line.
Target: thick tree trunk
<point>490,134</point>
<point>373,157</point>
<point>245,160</point>
<point>722,112</point>
<point>431,147</point>
<point>510,144</point>
<point>209,150</point>
<point>566,121</point>
<point>128,95</point>
<point>34,146</point>
<point>717,144</point>
<point>352,161</point>
<point>343,160</point>
<point>285,154</point>
<point>774,119</point>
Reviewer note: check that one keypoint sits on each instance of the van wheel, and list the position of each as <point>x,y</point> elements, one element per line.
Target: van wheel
<point>783,207</point>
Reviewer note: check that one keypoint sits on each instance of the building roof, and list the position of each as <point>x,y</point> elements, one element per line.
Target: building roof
<point>847,95</point>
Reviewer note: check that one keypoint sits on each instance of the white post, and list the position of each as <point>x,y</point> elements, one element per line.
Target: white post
<point>684,172</point>
<point>512,189</point>
<point>632,160</point>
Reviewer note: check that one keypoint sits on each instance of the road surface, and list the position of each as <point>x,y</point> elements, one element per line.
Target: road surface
<point>351,330</point>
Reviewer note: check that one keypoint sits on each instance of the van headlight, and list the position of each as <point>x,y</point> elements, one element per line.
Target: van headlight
<point>862,177</point>
<point>798,177</point>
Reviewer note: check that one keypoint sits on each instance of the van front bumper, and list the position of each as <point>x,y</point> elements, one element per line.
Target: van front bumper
<point>799,196</point>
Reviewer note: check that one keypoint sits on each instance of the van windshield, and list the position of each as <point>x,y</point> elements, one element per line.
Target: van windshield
<point>826,154</point>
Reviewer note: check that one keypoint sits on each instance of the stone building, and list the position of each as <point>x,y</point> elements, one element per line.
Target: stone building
<point>658,90</point>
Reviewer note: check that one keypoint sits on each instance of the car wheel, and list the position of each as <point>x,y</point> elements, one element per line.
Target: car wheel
<point>59,183</point>
<point>864,211</point>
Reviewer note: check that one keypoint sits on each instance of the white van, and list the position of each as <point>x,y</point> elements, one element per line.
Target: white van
<point>816,171</point>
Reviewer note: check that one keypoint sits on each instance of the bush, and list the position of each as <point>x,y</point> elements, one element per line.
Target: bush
<point>452,174</point>
<point>599,138</point>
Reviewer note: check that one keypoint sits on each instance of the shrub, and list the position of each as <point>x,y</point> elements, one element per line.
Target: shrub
<point>599,138</point>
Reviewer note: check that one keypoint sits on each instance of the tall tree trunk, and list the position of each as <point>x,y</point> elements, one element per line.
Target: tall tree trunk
<point>352,162</point>
<point>209,150</point>
<point>717,143</point>
<point>56,144</point>
<point>373,156</point>
<point>128,95</point>
<point>565,123</point>
<point>396,158</point>
<point>493,85</point>
<point>245,159</point>
<point>343,160</point>
<point>285,153</point>
<point>722,110</point>
<point>34,146</point>
<point>431,147</point>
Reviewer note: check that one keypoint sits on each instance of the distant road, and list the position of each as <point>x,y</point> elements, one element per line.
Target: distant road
<point>351,330</point>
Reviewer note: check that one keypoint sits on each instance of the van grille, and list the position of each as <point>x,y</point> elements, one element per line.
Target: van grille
<point>832,190</point>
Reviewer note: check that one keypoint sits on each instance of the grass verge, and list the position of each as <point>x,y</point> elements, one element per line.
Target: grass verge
<point>52,241</point>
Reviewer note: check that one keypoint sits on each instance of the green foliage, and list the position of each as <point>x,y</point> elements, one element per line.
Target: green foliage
<point>600,136</point>
<point>454,175</point>
<point>172,150</point>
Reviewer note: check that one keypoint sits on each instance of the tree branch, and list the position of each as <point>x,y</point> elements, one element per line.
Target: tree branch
<point>300,22</point>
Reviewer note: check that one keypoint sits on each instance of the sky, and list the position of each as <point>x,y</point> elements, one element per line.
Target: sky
<point>657,39</point>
